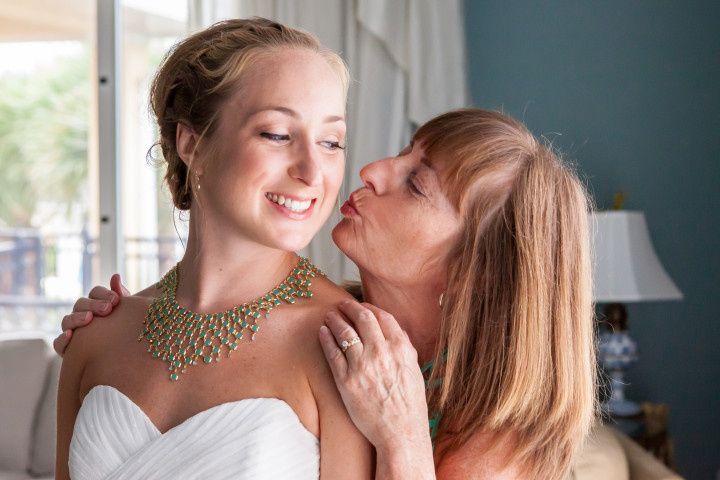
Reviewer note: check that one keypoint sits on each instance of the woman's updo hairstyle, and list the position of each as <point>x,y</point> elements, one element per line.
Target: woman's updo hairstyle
<point>202,71</point>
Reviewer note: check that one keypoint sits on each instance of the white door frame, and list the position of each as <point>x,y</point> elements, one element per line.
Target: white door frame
<point>110,237</point>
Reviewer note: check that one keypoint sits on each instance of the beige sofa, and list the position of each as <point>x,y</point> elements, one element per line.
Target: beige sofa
<point>29,371</point>
<point>611,455</point>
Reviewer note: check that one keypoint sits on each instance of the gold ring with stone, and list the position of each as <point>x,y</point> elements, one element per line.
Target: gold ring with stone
<point>345,344</point>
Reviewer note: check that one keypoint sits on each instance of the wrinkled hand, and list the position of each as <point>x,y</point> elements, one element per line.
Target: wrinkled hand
<point>379,378</point>
<point>101,303</point>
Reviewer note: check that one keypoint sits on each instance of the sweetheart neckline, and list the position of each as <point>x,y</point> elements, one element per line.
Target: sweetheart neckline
<point>202,412</point>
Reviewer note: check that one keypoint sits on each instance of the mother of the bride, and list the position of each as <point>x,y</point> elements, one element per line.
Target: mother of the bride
<point>475,238</point>
<point>473,250</point>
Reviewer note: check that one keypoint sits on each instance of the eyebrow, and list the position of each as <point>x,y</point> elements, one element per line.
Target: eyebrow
<point>292,113</point>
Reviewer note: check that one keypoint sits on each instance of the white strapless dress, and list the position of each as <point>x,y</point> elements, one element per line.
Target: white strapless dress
<point>255,438</point>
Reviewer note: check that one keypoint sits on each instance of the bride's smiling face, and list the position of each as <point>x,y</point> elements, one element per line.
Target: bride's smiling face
<point>277,158</point>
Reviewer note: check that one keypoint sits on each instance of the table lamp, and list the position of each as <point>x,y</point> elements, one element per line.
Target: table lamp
<point>626,269</point>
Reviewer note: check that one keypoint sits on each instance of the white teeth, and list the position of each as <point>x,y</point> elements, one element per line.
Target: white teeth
<point>294,205</point>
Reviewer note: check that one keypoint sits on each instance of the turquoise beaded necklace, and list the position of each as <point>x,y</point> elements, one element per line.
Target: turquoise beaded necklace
<point>182,337</point>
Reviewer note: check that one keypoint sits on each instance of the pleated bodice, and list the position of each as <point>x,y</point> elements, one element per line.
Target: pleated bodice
<point>258,438</point>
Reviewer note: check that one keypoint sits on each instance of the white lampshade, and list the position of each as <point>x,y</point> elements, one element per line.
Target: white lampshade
<point>626,268</point>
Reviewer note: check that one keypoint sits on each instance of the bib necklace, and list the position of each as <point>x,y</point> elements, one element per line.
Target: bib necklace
<point>183,338</point>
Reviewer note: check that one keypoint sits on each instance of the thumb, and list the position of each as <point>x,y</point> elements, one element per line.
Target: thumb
<point>117,286</point>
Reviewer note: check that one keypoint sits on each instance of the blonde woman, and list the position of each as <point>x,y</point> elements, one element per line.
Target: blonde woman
<point>472,244</point>
<point>251,120</point>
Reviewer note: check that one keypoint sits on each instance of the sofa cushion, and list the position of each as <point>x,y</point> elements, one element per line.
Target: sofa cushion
<point>642,464</point>
<point>23,369</point>
<point>7,475</point>
<point>602,458</point>
<point>42,461</point>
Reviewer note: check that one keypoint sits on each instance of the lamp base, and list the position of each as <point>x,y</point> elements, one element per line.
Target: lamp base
<point>617,351</point>
<point>617,405</point>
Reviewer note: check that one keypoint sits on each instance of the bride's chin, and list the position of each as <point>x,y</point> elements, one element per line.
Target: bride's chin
<point>289,240</point>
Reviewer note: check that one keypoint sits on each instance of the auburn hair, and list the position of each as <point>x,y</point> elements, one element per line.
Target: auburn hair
<point>202,71</point>
<point>517,322</point>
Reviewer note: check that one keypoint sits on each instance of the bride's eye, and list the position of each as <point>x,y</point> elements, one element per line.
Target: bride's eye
<point>330,145</point>
<point>275,137</point>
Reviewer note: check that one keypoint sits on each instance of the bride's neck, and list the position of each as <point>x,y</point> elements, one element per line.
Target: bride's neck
<point>219,270</point>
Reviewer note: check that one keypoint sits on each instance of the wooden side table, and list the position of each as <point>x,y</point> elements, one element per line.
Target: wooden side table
<point>649,430</point>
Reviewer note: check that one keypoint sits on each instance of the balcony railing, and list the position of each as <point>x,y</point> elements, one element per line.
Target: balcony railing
<point>42,275</point>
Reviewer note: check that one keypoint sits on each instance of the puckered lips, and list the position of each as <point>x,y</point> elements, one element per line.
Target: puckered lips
<point>348,208</point>
<point>292,206</point>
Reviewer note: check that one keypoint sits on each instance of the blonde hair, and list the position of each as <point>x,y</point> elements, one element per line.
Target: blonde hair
<point>517,319</point>
<point>202,71</point>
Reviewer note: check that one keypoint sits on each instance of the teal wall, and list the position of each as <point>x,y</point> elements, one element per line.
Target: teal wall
<point>631,92</point>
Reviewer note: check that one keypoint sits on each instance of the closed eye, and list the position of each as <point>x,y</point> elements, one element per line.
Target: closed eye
<point>411,184</point>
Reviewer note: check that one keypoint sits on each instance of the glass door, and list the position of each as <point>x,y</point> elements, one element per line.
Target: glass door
<point>48,215</point>
<point>153,232</point>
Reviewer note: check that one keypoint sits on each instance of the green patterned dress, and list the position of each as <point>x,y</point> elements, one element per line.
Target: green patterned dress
<point>435,417</point>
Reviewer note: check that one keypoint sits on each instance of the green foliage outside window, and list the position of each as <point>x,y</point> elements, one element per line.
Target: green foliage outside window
<point>44,142</point>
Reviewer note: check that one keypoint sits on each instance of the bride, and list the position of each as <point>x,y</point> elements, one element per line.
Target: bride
<point>173,385</point>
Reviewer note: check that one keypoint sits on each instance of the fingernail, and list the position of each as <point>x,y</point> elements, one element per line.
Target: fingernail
<point>87,315</point>
<point>324,329</point>
<point>68,332</point>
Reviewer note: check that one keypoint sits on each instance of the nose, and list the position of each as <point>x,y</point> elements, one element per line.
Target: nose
<point>376,175</point>
<point>307,166</point>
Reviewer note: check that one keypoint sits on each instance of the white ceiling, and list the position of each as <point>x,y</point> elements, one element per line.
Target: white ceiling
<point>46,20</point>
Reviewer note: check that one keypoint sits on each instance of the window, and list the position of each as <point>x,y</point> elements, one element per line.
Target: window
<point>49,180</point>
<point>151,243</point>
<point>46,160</point>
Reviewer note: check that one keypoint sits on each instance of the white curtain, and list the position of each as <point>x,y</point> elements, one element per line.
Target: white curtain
<point>407,63</point>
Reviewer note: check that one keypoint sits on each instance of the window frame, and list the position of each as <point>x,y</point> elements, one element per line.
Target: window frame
<point>110,229</point>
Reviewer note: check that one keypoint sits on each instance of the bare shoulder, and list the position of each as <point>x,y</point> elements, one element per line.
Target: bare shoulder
<point>326,297</point>
<point>486,455</point>
<point>344,451</point>
<point>306,323</point>
<point>91,340</point>
<point>328,294</point>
